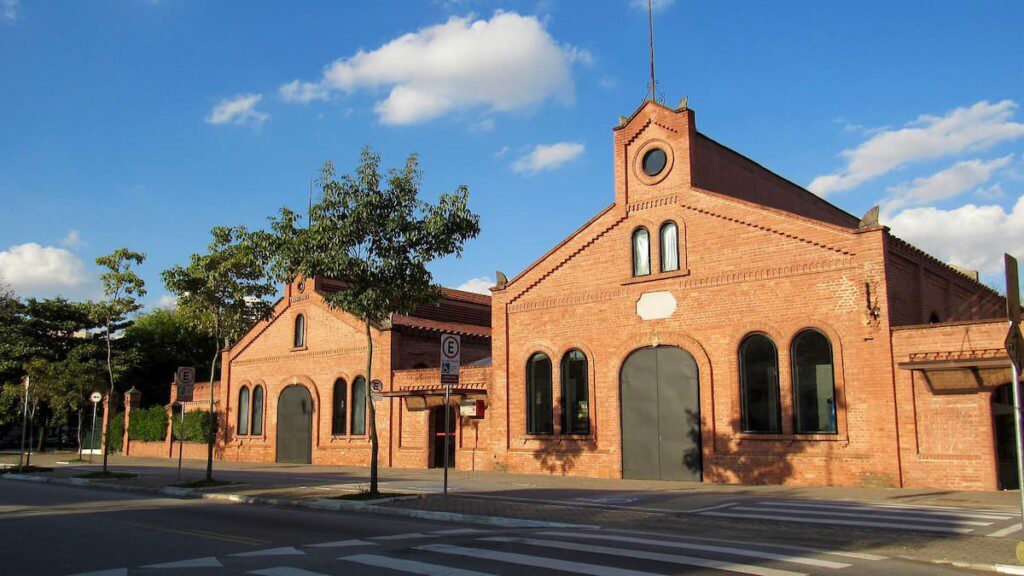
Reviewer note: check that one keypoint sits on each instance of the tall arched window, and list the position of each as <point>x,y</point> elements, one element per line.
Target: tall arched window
<point>575,393</point>
<point>257,410</point>
<point>814,391</point>
<point>300,331</point>
<point>359,406</point>
<point>338,413</point>
<point>539,413</point>
<point>243,411</point>
<point>669,247</point>
<point>641,252</point>
<point>759,384</point>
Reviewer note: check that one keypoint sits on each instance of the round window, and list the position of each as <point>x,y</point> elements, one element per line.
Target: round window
<point>654,161</point>
<point>301,287</point>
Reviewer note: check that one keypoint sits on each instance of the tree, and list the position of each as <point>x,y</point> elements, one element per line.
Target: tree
<point>122,288</point>
<point>157,343</point>
<point>222,293</point>
<point>377,236</point>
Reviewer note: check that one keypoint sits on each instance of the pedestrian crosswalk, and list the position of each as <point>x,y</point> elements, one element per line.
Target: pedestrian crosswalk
<point>933,519</point>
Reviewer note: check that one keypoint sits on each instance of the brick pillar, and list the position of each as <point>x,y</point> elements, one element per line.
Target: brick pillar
<point>132,398</point>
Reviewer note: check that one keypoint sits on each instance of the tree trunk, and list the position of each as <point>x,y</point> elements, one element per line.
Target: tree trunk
<point>112,402</point>
<point>372,412</point>
<point>212,432</point>
<point>41,442</point>
<point>79,434</point>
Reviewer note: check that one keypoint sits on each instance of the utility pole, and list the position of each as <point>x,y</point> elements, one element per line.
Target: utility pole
<point>24,424</point>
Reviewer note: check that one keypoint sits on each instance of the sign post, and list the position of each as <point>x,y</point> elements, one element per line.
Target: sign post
<point>24,424</point>
<point>1015,349</point>
<point>95,398</point>
<point>185,377</point>
<point>451,359</point>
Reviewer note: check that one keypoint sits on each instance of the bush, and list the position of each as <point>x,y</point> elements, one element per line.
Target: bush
<point>197,426</point>
<point>148,424</point>
<point>115,433</point>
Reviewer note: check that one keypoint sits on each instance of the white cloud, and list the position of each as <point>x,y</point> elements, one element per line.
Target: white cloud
<point>961,177</point>
<point>993,192</point>
<point>34,270</point>
<point>545,157</point>
<point>509,62</point>
<point>656,5</point>
<point>504,150</point>
<point>480,285</point>
<point>485,125</point>
<point>72,240</point>
<point>167,302</point>
<point>963,129</point>
<point>10,11</point>
<point>239,109</point>
<point>970,236</point>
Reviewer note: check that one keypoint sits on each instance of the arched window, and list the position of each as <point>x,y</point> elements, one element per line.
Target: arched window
<point>243,411</point>
<point>759,384</point>
<point>669,247</point>
<point>359,406</point>
<point>575,393</point>
<point>539,413</point>
<point>641,252</point>
<point>300,331</point>
<point>257,410</point>
<point>338,413</point>
<point>814,391</point>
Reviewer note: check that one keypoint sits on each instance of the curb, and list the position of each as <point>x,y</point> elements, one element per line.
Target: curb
<point>318,504</point>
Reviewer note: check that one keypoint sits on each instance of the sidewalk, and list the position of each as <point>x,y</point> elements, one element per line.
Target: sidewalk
<point>975,529</point>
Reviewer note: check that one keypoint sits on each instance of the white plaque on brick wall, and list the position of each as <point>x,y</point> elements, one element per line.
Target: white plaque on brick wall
<point>656,305</point>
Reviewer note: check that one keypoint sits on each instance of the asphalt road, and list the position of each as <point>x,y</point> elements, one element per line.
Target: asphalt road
<point>49,529</point>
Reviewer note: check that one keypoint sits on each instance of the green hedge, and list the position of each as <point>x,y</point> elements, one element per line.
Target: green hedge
<point>148,424</point>
<point>115,432</point>
<point>197,426</point>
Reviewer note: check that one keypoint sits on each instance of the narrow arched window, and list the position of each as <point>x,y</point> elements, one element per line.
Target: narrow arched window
<point>257,410</point>
<point>814,391</point>
<point>575,393</point>
<point>669,247</point>
<point>641,252</point>
<point>759,384</point>
<point>243,411</point>
<point>359,406</point>
<point>539,413</point>
<point>339,411</point>
<point>300,331</point>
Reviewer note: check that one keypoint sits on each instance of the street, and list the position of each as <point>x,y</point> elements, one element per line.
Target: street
<point>61,530</point>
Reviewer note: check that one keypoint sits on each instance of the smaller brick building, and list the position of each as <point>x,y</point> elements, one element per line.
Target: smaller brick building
<point>716,323</point>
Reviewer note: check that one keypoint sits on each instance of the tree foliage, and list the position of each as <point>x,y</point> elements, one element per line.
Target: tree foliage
<point>155,345</point>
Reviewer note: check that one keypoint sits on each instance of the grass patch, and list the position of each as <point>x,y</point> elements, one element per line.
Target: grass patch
<point>24,469</point>
<point>365,496</point>
<point>108,474</point>
<point>205,484</point>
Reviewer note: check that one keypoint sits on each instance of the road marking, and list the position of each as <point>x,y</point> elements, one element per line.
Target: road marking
<point>410,566</point>
<point>283,551</point>
<point>865,514</point>
<point>644,555</point>
<point>806,520</point>
<point>284,571</point>
<point>113,572</point>
<point>458,532</point>
<point>200,533</point>
<point>1006,531</point>
<point>704,547</point>
<point>706,509</point>
<point>903,512</point>
<point>341,544</point>
<point>575,504</point>
<point>535,561</point>
<point>850,504</point>
<point>792,547</point>
<point>400,536</point>
<point>207,562</point>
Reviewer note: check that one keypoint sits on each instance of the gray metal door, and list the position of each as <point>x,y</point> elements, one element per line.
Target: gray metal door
<point>295,426</point>
<point>660,415</point>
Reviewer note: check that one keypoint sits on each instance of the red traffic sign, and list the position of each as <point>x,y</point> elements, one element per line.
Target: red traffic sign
<point>1015,346</point>
<point>95,397</point>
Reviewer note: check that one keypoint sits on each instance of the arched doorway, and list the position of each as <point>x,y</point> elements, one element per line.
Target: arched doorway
<point>659,391</point>
<point>295,426</point>
<point>1002,428</point>
<point>437,435</point>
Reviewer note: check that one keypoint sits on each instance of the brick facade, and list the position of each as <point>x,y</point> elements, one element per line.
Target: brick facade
<point>757,254</point>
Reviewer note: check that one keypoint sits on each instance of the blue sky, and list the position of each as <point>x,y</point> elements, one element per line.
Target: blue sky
<point>144,124</point>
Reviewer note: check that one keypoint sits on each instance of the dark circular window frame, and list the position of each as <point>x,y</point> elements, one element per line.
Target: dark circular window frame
<point>641,153</point>
<point>649,158</point>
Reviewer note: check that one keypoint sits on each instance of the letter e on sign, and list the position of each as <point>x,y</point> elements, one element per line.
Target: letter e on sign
<point>451,358</point>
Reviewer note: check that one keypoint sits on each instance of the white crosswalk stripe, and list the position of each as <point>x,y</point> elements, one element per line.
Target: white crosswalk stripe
<point>410,566</point>
<point>937,519</point>
<point>535,561</point>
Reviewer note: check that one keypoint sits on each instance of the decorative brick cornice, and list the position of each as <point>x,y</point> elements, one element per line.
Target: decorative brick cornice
<point>768,229</point>
<point>300,355</point>
<point>643,128</point>
<point>984,354</point>
<point>652,203</point>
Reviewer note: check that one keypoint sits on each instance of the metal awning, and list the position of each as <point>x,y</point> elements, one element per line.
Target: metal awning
<point>424,397</point>
<point>958,374</point>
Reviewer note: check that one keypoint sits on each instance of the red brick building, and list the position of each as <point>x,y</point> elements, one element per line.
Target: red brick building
<point>716,322</point>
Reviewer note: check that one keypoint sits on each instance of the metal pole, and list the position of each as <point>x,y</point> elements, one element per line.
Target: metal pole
<point>1016,429</point>
<point>92,434</point>
<point>31,425</point>
<point>650,20</point>
<point>447,434</point>
<point>181,435</point>
<point>24,424</point>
